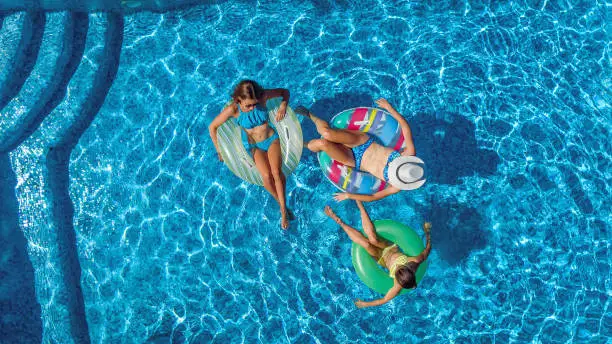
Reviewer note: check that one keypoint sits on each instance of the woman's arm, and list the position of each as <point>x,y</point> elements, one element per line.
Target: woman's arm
<point>216,123</point>
<point>278,92</point>
<point>423,255</point>
<point>410,149</point>
<point>390,190</point>
<point>393,292</point>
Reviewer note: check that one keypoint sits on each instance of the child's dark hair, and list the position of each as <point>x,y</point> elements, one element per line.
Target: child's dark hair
<point>405,275</point>
<point>247,89</point>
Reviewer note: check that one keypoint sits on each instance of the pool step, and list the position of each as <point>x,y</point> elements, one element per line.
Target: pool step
<point>22,113</point>
<point>42,171</point>
<point>24,59</point>
<point>21,312</point>
<point>10,35</point>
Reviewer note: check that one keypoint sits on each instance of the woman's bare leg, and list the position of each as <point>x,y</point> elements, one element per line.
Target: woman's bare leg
<point>336,151</point>
<point>275,159</point>
<point>319,123</point>
<point>349,138</point>
<point>368,228</point>
<point>354,234</point>
<point>263,166</point>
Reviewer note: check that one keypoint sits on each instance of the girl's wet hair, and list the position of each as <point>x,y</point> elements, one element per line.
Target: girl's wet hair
<point>406,275</point>
<point>247,89</point>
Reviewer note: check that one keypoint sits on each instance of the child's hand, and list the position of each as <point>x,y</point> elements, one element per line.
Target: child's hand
<point>383,104</point>
<point>282,110</point>
<point>328,211</point>
<point>360,304</point>
<point>427,227</point>
<point>220,157</point>
<point>341,196</point>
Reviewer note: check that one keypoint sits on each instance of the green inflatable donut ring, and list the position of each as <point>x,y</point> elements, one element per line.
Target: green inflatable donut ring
<point>368,269</point>
<point>240,162</point>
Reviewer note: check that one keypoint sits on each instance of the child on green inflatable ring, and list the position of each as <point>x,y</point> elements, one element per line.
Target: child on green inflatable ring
<point>402,268</point>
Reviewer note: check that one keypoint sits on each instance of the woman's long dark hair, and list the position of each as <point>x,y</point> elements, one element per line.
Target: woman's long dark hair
<point>247,89</point>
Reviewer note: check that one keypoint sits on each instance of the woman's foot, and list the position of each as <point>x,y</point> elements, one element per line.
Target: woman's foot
<point>302,110</point>
<point>329,212</point>
<point>284,220</point>
<point>319,123</point>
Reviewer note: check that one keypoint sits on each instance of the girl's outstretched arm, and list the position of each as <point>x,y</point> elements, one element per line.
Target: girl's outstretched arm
<point>216,123</point>
<point>393,292</point>
<point>277,92</point>
<point>423,255</point>
<point>410,149</point>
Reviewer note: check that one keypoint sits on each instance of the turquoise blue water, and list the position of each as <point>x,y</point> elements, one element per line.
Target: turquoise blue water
<point>509,104</point>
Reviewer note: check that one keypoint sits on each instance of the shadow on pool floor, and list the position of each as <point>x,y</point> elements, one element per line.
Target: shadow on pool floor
<point>455,231</point>
<point>450,149</point>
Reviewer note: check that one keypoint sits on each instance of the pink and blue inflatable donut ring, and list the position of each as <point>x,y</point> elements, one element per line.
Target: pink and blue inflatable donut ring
<point>375,122</point>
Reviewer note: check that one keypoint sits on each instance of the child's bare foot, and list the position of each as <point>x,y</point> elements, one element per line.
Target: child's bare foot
<point>329,212</point>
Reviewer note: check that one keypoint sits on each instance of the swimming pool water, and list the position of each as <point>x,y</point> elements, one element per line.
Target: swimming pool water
<point>509,104</point>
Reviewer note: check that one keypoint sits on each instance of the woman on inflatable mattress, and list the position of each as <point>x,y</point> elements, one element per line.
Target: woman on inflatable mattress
<point>248,108</point>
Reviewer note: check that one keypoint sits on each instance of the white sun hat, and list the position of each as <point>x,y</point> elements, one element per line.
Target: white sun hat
<point>407,172</point>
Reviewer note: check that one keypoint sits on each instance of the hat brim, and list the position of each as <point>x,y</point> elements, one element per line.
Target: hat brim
<point>394,178</point>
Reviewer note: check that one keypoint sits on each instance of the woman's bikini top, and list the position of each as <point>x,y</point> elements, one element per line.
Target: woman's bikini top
<point>399,261</point>
<point>252,119</point>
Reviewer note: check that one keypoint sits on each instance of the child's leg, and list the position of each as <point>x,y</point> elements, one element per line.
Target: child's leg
<point>368,228</point>
<point>354,234</point>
